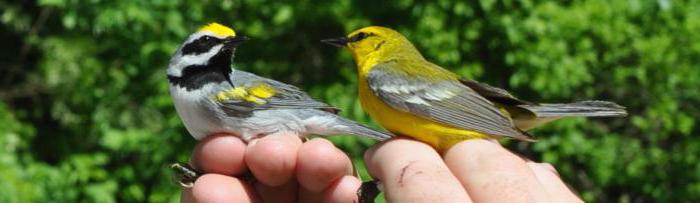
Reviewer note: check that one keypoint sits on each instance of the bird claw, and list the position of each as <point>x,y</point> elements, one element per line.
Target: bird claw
<point>368,191</point>
<point>185,174</point>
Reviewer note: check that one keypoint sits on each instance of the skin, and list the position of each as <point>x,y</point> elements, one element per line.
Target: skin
<point>288,170</point>
<point>285,169</point>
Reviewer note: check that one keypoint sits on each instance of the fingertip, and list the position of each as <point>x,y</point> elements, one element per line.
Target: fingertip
<point>343,190</point>
<point>220,153</point>
<point>413,171</point>
<point>482,155</point>
<point>220,188</point>
<point>547,166</point>
<point>556,189</point>
<point>272,159</point>
<point>396,149</point>
<point>320,163</point>
<point>370,155</point>
<point>486,170</point>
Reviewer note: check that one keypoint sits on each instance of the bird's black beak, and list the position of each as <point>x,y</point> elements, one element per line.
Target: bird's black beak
<point>235,41</point>
<point>337,42</point>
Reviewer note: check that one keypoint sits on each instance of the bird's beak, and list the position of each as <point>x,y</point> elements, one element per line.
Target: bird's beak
<point>337,42</point>
<point>235,40</point>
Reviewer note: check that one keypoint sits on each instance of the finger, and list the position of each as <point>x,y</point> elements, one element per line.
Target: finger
<point>552,183</point>
<point>186,196</point>
<point>344,190</point>
<point>307,196</point>
<point>319,164</point>
<point>218,188</point>
<point>221,153</point>
<point>272,159</point>
<point>283,193</point>
<point>412,171</point>
<point>490,173</point>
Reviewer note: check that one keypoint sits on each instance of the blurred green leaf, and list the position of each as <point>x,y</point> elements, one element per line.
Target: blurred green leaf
<point>86,115</point>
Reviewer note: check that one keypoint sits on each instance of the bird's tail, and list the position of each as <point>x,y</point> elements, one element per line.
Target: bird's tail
<point>577,109</point>
<point>331,124</point>
<point>355,128</point>
<point>545,113</point>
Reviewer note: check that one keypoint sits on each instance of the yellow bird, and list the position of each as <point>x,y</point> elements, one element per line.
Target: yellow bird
<point>413,97</point>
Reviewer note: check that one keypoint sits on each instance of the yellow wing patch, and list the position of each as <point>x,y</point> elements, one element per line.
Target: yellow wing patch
<point>218,30</point>
<point>262,91</point>
<point>255,94</point>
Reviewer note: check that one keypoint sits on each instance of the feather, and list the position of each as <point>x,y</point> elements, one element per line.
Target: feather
<point>440,98</point>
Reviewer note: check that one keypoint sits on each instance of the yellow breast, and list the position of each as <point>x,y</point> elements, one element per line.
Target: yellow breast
<point>402,123</point>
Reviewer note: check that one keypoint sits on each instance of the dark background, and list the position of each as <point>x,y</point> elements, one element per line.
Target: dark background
<point>85,114</point>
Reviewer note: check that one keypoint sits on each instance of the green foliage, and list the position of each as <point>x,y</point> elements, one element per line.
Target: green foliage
<point>86,116</point>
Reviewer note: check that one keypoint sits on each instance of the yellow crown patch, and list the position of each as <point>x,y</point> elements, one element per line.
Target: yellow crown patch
<point>218,29</point>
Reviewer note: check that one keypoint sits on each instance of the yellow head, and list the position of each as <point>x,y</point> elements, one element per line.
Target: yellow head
<point>218,30</point>
<point>376,44</point>
<point>211,48</point>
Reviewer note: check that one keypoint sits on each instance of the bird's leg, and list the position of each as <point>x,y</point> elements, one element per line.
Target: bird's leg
<point>185,174</point>
<point>369,190</point>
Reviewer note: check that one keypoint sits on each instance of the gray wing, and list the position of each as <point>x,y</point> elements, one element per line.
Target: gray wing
<point>444,101</point>
<point>286,96</point>
<point>493,94</point>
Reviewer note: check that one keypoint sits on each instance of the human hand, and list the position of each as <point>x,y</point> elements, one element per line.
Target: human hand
<point>471,171</point>
<point>286,170</point>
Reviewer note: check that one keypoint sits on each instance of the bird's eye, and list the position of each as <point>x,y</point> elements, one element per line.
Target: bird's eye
<point>359,36</point>
<point>206,38</point>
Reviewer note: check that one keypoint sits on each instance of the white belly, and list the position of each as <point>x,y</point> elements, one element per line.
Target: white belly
<point>202,116</point>
<point>197,111</point>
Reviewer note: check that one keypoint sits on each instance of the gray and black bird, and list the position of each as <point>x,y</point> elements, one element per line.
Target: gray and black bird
<point>213,97</point>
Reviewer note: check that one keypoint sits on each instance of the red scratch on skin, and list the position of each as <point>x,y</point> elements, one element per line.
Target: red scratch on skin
<point>403,172</point>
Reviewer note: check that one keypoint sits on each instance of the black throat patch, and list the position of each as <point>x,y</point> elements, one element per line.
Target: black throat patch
<point>196,76</point>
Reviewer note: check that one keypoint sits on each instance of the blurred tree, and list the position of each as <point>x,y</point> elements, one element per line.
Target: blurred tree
<point>84,99</point>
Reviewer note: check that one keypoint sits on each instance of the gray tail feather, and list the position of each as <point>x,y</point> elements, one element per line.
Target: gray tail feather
<point>355,128</point>
<point>582,108</point>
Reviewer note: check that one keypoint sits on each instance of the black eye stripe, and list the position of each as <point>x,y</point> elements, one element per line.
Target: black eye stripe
<point>360,36</point>
<point>201,45</point>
